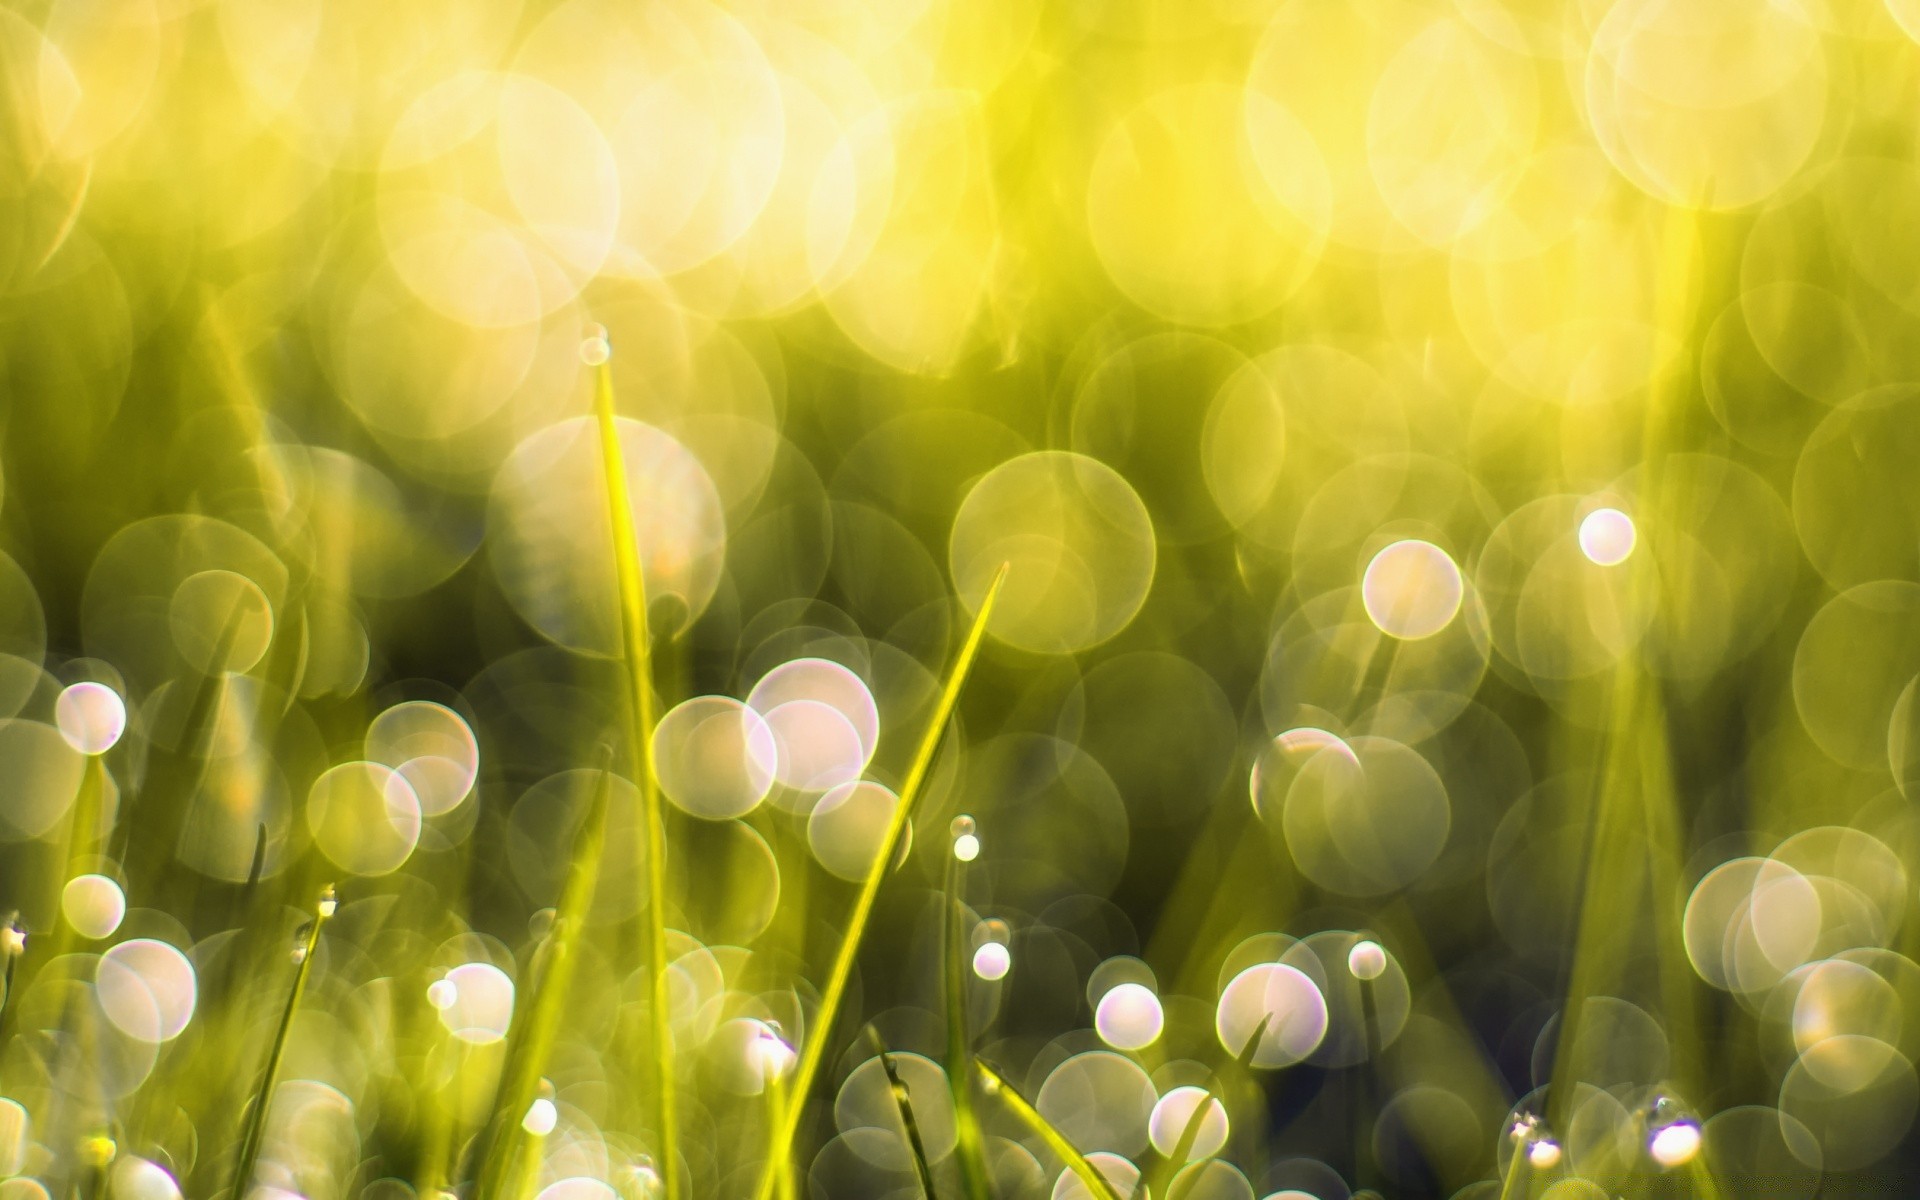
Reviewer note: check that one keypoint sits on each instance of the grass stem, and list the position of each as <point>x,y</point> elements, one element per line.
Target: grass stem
<point>270,1078</point>
<point>637,644</point>
<point>530,1042</point>
<point>813,1053</point>
<point>903,1105</point>
<point>969,1146</point>
<point>1028,1115</point>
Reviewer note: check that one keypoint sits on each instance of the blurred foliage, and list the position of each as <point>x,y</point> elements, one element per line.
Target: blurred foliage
<point>1448,727</point>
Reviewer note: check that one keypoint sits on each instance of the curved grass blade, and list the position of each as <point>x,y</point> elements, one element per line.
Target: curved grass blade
<point>969,1146</point>
<point>637,643</point>
<point>1244,1060</point>
<point>257,1118</point>
<point>1167,1171</point>
<point>815,1049</point>
<point>531,1041</point>
<point>903,1104</point>
<point>1028,1115</point>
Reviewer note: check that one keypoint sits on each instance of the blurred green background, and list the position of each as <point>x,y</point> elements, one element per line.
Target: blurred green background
<point>1456,466</point>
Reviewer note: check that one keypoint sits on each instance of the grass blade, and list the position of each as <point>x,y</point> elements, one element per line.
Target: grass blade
<point>13,942</point>
<point>1163,1176</point>
<point>1169,1167</point>
<point>1244,1060</point>
<point>637,643</point>
<point>777,1102</point>
<point>1028,1115</point>
<point>185,766</point>
<point>815,1049</point>
<point>531,1041</point>
<point>1515,1164</point>
<point>969,1147</point>
<point>903,1104</point>
<point>257,1119</point>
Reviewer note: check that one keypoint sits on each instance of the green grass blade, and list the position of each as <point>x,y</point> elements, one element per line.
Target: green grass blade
<point>638,645</point>
<point>1244,1060</point>
<point>1182,1147</point>
<point>13,940</point>
<point>814,1051</point>
<point>1514,1166</point>
<point>1162,1177</point>
<point>969,1146</point>
<point>257,1118</point>
<point>180,772</point>
<point>1056,1141</point>
<point>777,1102</point>
<point>530,1042</point>
<point>903,1104</point>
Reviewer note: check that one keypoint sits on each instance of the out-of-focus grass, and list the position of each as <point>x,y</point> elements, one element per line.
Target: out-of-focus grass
<point>1481,436</point>
<point>530,1042</point>
<point>969,1148</point>
<point>815,1049</point>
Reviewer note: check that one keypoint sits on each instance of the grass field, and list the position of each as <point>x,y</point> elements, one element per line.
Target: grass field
<point>1158,600</point>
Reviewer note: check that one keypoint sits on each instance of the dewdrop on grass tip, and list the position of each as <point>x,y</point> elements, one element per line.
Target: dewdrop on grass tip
<point>1674,1145</point>
<point>1171,1115</point>
<point>541,1117</point>
<point>992,961</point>
<point>595,349</point>
<point>1367,960</point>
<point>966,843</point>
<point>1129,1017</point>
<point>771,1056</point>
<point>91,717</point>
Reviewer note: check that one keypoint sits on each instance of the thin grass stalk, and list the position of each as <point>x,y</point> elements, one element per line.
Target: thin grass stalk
<point>263,1099</point>
<point>530,1043</point>
<point>1168,1170</point>
<point>1368,1100</point>
<point>13,942</point>
<point>526,1166</point>
<point>637,643</point>
<point>777,1101</point>
<point>969,1146</point>
<point>83,822</point>
<point>1040,1127</point>
<point>903,1105</point>
<point>186,768</point>
<point>814,1051</point>
<point>1514,1165</point>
